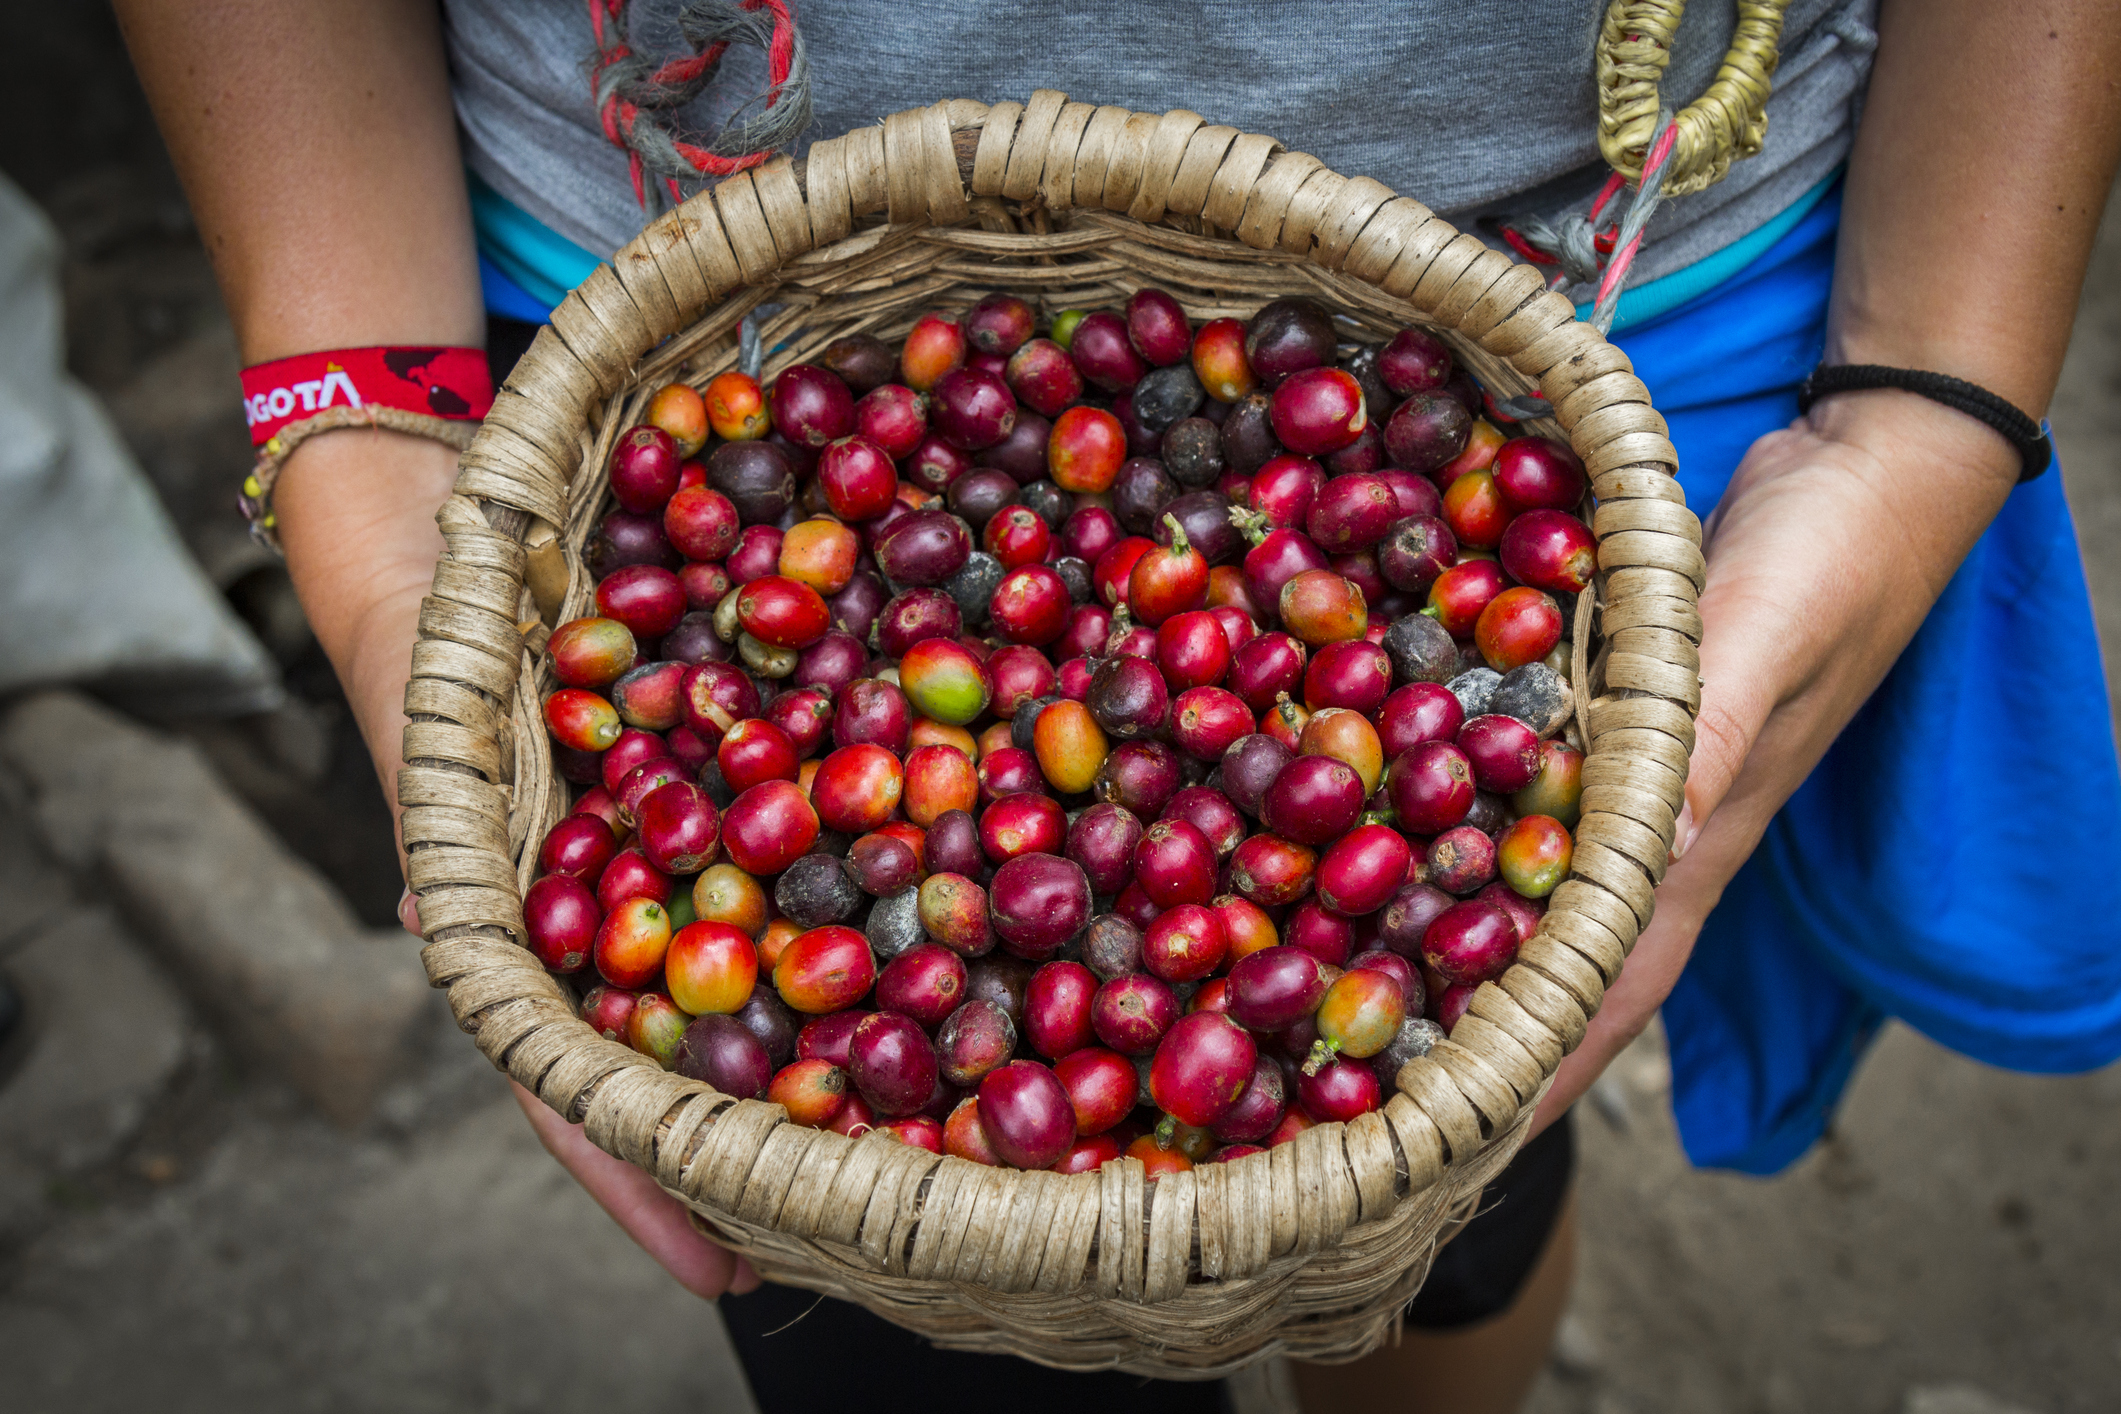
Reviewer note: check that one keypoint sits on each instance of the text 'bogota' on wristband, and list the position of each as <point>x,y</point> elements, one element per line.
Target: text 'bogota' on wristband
<point>440,393</point>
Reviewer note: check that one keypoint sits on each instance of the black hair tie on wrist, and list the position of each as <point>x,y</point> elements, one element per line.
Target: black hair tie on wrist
<point>2035,451</point>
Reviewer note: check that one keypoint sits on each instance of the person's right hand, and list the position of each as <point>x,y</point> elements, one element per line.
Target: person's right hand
<point>318,244</point>
<point>357,515</point>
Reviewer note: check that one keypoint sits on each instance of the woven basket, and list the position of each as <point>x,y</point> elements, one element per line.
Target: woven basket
<point>1310,1249</point>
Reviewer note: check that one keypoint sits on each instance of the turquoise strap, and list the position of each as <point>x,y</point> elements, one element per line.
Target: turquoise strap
<point>542,263</point>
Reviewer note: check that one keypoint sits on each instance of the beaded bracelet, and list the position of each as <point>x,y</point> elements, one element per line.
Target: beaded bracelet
<point>255,499</point>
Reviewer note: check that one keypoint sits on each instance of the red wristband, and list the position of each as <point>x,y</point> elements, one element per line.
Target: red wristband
<point>450,383</point>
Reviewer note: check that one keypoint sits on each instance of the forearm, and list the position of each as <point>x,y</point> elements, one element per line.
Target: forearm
<point>1965,232</point>
<point>1989,139</point>
<point>317,144</point>
<point>318,147</point>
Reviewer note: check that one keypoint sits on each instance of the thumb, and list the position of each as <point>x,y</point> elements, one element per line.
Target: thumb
<point>657,1222</point>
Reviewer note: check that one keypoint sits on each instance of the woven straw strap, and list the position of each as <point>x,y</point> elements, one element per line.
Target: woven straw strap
<point>1728,121</point>
<point>1309,1248</point>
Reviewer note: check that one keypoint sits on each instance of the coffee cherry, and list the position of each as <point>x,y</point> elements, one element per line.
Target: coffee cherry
<point>1039,901</point>
<point>1318,411</point>
<point>1027,1116</point>
<point>933,347</point>
<point>1219,360</point>
<point>943,680</point>
<point>825,970</point>
<point>1101,349</point>
<point>1288,336</point>
<point>1533,855</point>
<point>644,469</point>
<point>812,1091</point>
<point>1185,944</point>
<point>999,324</point>
<point>1538,473</point>
<point>1271,871</point>
<point>736,408</point>
<point>1470,942</point>
<point>1414,362</point>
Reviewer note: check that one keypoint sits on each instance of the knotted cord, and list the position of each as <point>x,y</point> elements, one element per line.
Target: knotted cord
<point>637,99</point>
<point>1659,153</point>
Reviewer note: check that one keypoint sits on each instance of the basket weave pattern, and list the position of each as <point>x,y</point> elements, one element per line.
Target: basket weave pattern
<point>1309,1249</point>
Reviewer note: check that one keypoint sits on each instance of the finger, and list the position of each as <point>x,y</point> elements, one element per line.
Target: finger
<point>1692,887</point>
<point>1735,705</point>
<point>1769,595</point>
<point>652,1218</point>
<point>745,1279</point>
<point>1652,969</point>
<point>409,913</point>
<point>1683,831</point>
<point>663,1229</point>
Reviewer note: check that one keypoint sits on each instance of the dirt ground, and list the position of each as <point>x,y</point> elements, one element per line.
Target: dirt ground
<point>200,1240</point>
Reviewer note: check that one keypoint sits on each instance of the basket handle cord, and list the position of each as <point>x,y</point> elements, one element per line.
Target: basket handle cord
<point>1660,154</point>
<point>637,100</point>
<point>1727,123</point>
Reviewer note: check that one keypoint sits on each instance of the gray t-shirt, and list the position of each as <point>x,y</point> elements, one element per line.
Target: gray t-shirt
<point>1476,111</point>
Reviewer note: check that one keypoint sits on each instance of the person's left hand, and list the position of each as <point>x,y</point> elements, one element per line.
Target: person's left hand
<point>636,1202</point>
<point>1835,537</point>
<point>648,1215</point>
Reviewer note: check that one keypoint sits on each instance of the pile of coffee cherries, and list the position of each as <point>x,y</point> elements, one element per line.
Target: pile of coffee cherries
<point>1128,738</point>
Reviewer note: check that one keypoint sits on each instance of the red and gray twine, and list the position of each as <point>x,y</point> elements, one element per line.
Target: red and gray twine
<point>638,99</point>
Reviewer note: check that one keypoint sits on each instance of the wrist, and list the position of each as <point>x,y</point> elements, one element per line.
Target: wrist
<point>436,392</point>
<point>1991,363</point>
<point>1899,429</point>
<point>356,512</point>
<point>1965,338</point>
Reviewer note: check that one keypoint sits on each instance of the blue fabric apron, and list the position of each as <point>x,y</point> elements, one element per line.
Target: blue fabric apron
<point>1942,863</point>
<point>1935,867</point>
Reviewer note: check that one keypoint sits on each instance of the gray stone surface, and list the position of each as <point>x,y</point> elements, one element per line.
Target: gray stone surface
<point>264,945</point>
<point>1957,1226</point>
<point>301,1268</point>
<point>107,1033</point>
<point>2086,419</point>
<point>1958,1399</point>
<point>35,889</point>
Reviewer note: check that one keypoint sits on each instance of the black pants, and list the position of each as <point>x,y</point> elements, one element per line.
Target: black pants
<point>803,1352</point>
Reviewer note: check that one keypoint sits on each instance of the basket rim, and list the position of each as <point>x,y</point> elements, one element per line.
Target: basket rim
<point>927,170</point>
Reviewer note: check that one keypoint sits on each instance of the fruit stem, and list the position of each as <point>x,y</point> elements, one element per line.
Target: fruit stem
<point>1251,524</point>
<point>1122,625</point>
<point>1180,545</point>
<point>1323,1053</point>
<point>1166,1131</point>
